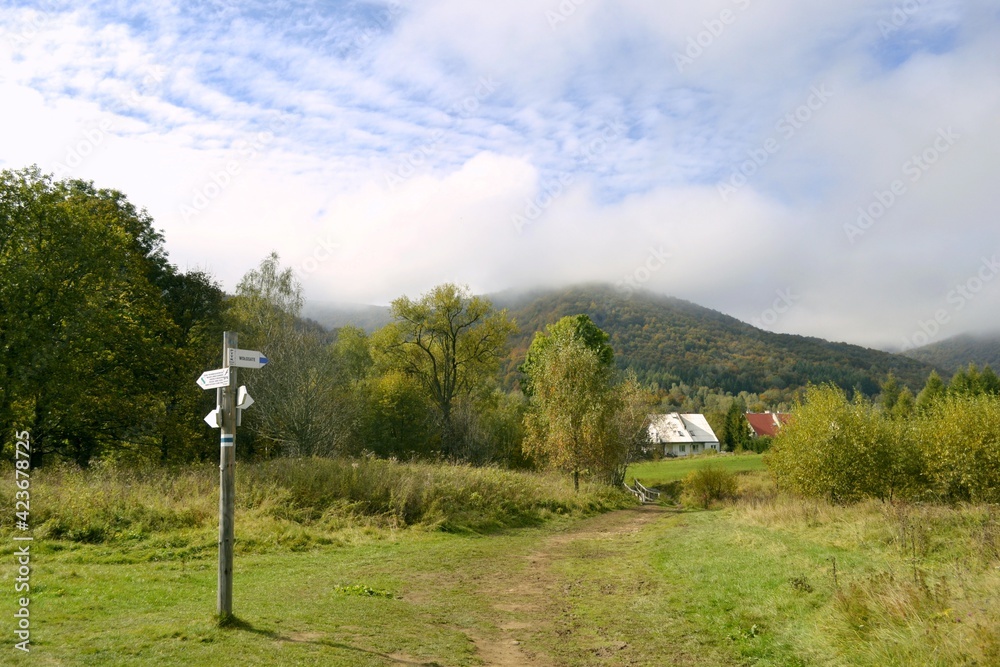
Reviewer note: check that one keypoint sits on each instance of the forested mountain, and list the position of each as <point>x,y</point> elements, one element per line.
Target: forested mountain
<point>959,351</point>
<point>334,315</point>
<point>668,340</point>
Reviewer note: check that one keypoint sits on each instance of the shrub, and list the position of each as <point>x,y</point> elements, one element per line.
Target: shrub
<point>845,451</point>
<point>961,438</point>
<point>709,484</point>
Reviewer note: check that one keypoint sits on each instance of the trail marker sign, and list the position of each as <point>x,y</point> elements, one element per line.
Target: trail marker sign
<point>243,399</point>
<point>214,418</point>
<point>229,406</point>
<point>246,358</point>
<point>214,379</point>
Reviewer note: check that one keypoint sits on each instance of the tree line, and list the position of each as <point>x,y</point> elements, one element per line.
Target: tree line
<point>101,339</point>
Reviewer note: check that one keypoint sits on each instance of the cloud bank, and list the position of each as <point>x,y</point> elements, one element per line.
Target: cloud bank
<point>825,170</point>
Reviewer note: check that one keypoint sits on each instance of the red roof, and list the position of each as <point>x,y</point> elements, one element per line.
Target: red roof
<point>766,423</point>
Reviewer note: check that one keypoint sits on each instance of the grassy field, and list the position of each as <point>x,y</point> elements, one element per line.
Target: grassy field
<point>651,473</point>
<point>766,580</point>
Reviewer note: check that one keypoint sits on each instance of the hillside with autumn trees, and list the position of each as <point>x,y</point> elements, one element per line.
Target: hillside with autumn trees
<point>669,341</point>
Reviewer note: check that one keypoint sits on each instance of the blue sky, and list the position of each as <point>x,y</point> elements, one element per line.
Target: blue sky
<point>818,168</point>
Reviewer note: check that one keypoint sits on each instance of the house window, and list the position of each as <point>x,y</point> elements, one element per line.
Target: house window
<point>683,449</point>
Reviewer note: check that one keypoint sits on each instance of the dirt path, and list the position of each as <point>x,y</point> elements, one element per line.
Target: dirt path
<point>528,605</point>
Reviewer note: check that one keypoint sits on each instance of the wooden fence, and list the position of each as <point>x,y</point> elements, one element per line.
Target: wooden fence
<point>642,493</point>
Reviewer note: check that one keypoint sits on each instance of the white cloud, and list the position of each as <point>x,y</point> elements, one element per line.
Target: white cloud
<point>386,151</point>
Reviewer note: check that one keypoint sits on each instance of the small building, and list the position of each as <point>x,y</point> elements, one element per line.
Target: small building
<point>676,434</point>
<point>766,424</point>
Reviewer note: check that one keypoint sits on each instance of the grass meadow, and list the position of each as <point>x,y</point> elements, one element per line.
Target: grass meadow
<point>666,471</point>
<point>373,562</point>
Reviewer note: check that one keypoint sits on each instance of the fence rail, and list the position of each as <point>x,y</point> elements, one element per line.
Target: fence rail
<point>642,493</point>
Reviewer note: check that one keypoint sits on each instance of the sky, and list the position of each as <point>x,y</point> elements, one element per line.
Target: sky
<point>818,168</point>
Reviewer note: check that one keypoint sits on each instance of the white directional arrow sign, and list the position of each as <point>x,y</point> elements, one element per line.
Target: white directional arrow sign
<point>213,418</point>
<point>243,399</point>
<point>246,358</point>
<point>214,379</point>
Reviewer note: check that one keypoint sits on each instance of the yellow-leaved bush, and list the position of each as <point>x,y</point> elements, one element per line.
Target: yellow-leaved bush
<point>848,450</point>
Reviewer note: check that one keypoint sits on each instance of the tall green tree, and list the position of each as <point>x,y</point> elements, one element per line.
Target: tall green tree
<point>735,435</point>
<point>451,342</point>
<point>87,344</point>
<point>577,327</point>
<point>890,393</point>
<point>905,405</point>
<point>989,382</point>
<point>579,420</point>
<point>195,302</point>
<point>571,400</point>
<point>934,389</point>
<point>965,382</point>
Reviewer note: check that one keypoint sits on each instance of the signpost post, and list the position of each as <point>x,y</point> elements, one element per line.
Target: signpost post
<point>227,480</point>
<point>230,403</point>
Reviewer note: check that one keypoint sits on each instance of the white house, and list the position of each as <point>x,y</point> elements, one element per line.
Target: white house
<point>681,434</point>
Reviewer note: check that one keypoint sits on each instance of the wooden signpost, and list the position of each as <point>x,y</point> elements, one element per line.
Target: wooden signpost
<point>230,403</point>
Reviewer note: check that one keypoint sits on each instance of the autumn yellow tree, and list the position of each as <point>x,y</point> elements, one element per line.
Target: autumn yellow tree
<point>579,420</point>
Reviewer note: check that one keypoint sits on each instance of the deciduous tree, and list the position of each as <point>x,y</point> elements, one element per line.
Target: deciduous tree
<point>451,342</point>
<point>87,345</point>
<point>579,421</point>
<point>298,392</point>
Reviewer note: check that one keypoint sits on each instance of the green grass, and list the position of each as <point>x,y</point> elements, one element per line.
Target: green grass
<point>651,473</point>
<point>764,582</point>
<point>778,581</point>
<point>321,581</point>
<point>292,608</point>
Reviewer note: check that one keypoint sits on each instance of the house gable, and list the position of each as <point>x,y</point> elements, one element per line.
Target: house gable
<point>681,434</point>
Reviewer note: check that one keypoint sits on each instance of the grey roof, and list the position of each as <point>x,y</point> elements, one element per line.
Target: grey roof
<point>679,428</point>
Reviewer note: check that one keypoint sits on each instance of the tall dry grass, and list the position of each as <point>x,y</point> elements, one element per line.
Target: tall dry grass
<point>298,500</point>
<point>926,592</point>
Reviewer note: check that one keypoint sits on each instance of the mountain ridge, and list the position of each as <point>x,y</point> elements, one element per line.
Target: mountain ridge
<point>668,340</point>
<point>959,351</point>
